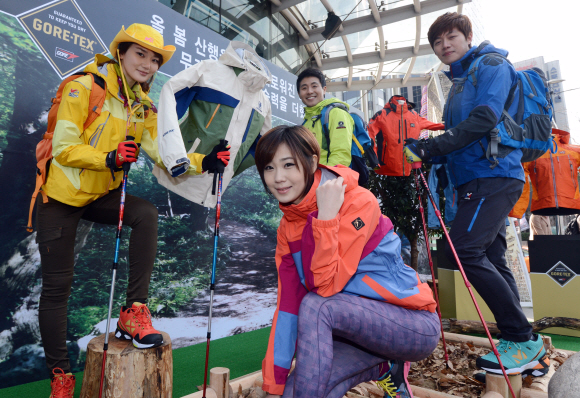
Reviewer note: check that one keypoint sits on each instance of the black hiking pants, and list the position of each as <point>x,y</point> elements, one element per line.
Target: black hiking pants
<point>479,236</point>
<point>57,227</point>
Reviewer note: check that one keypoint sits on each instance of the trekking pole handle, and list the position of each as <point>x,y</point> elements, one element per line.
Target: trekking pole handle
<point>220,170</point>
<point>127,166</point>
<point>416,165</point>
<point>221,167</point>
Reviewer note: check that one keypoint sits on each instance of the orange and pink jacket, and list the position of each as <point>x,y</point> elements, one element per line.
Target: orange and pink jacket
<point>357,253</point>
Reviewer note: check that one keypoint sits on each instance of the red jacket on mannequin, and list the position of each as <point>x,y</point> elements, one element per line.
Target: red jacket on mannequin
<point>390,127</point>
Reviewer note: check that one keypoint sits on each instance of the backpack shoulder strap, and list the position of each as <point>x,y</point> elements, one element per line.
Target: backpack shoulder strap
<point>474,67</point>
<point>96,99</point>
<point>326,112</point>
<point>356,118</point>
<point>324,119</point>
<point>325,116</point>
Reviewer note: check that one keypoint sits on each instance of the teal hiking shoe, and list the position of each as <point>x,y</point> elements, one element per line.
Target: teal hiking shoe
<point>528,358</point>
<point>394,382</point>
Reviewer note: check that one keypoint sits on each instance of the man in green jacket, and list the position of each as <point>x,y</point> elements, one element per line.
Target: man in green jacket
<point>311,90</point>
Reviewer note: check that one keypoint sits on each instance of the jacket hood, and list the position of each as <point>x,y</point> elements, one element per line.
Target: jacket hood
<point>240,55</point>
<point>396,105</point>
<point>317,109</point>
<point>562,136</point>
<point>294,212</point>
<point>461,66</point>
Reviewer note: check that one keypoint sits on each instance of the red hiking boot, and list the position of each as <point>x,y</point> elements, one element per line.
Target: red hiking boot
<point>62,384</point>
<point>135,324</point>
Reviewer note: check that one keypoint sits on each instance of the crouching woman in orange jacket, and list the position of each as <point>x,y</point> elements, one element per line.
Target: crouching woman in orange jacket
<point>347,306</point>
<point>83,183</point>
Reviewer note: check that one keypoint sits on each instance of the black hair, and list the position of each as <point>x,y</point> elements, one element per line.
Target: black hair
<point>310,72</point>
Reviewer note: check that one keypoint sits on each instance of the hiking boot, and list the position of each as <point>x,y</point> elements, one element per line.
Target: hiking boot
<point>394,381</point>
<point>527,358</point>
<point>135,324</point>
<point>62,384</point>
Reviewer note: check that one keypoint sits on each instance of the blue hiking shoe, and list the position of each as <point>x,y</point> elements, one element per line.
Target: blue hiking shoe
<point>394,382</point>
<point>527,358</point>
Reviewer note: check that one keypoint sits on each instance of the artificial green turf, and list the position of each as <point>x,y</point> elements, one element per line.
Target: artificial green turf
<point>242,354</point>
<point>564,342</point>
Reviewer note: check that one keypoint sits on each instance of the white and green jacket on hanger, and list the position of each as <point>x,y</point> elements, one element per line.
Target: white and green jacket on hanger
<point>214,100</point>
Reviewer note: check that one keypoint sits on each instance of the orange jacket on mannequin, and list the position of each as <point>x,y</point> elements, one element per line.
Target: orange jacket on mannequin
<point>390,127</point>
<point>554,178</point>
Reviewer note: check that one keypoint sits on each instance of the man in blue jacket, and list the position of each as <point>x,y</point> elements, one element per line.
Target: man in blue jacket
<point>487,190</point>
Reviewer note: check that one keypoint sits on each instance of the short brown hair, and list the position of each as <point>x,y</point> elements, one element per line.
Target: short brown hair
<point>302,144</point>
<point>446,23</point>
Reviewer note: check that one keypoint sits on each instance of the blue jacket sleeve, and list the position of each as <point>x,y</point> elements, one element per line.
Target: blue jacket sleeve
<point>495,78</point>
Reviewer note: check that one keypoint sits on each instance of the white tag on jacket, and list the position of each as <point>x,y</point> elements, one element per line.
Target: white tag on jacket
<point>401,102</point>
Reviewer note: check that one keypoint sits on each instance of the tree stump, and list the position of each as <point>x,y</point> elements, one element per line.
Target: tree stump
<point>497,383</point>
<point>219,380</point>
<point>130,372</point>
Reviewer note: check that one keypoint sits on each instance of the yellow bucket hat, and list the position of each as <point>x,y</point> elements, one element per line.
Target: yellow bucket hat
<point>146,37</point>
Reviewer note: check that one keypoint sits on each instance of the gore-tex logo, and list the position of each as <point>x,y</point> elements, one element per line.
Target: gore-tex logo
<point>64,54</point>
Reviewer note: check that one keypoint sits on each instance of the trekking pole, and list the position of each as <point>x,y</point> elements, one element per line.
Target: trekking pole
<point>126,168</point>
<point>216,234</point>
<point>422,210</point>
<point>417,166</point>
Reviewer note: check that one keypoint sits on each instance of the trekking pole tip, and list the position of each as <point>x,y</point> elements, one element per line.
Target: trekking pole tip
<point>416,165</point>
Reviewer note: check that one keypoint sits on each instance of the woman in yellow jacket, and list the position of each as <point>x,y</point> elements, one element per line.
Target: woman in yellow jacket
<point>83,183</point>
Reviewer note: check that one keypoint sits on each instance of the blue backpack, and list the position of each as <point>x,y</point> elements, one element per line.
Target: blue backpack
<point>362,145</point>
<point>531,128</point>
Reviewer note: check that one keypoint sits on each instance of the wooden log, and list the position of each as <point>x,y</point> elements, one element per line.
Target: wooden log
<point>129,372</point>
<point>527,393</point>
<point>259,381</point>
<point>257,392</point>
<point>219,380</point>
<point>420,392</point>
<point>209,393</point>
<point>491,394</point>
<point>497,383</point>
<point>541,383</point>
<point>462,326</point>
<point>478,341</point>
<point>244,382</point>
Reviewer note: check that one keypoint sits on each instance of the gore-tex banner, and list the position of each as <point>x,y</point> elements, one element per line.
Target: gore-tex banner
<point>70,32</point>
<point>64,35</point>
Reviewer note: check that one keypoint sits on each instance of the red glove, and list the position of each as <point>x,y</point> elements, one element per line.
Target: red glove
<point>126,152</point>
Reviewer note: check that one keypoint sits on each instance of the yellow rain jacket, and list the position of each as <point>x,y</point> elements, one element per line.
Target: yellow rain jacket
<point>340,126</point>
<point>78,174</point>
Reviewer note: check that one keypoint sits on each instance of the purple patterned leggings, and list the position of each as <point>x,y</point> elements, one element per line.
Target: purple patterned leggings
<point>343,339</point>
